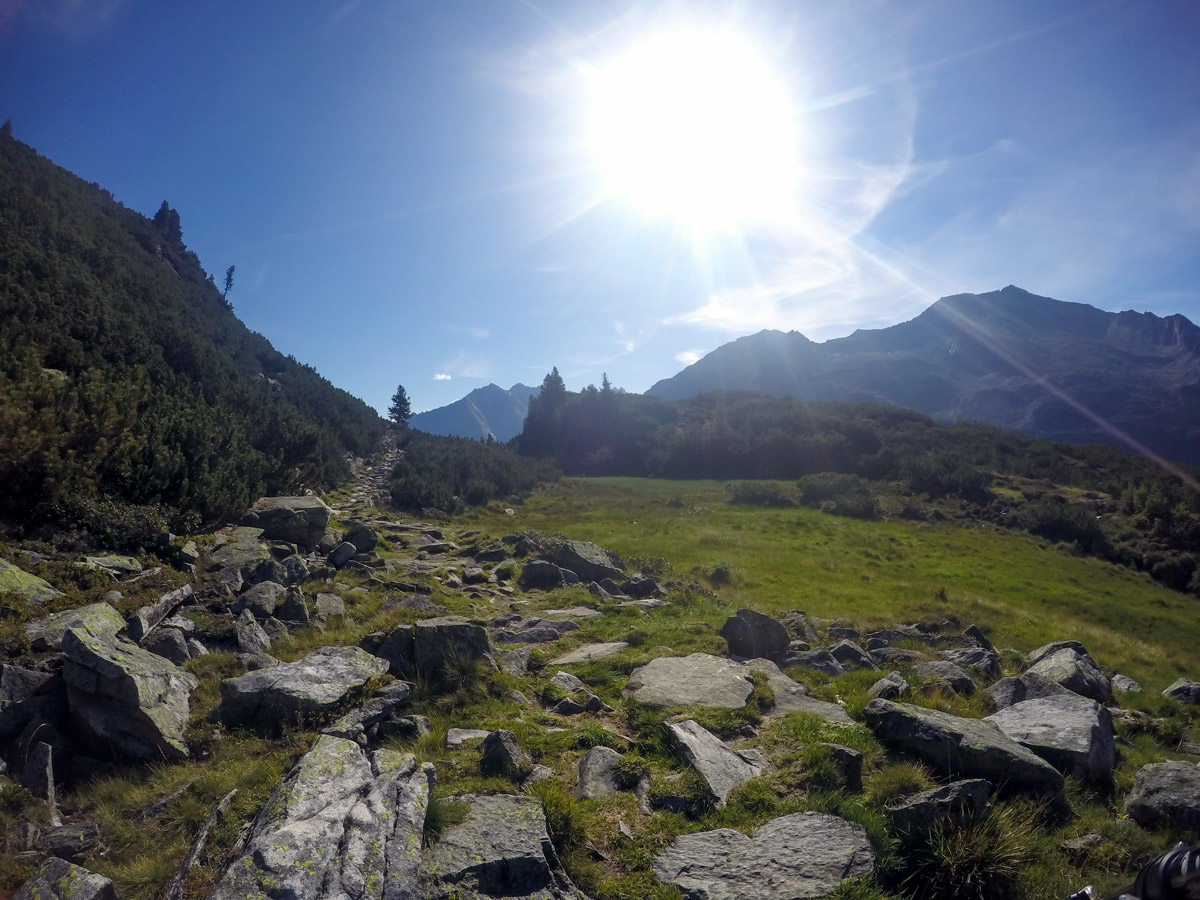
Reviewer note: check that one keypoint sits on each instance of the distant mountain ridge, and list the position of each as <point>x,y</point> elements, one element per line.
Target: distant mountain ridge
<point>486,411</point>
<point>1057,370</point>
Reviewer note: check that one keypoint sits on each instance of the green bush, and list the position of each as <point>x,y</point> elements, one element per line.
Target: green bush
<point>760,493</point>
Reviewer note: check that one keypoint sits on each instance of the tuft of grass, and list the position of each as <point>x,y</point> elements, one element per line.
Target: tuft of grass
<point>440,814</point>
<point>897,780</point>
<point>566,819</point>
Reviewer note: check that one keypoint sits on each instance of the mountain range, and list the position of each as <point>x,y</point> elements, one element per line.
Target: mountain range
<point>1056,370</point>
<point>486,412</point>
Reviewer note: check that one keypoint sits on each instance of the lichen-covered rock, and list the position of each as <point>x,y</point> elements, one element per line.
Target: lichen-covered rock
<point>804,855</point>
<point>379,718</point>
<point>14,579</point>
<point>344,824</point>
<point>149,617</point>
<point>58,879</point>
<point>169,643</point>
<point>722,768</point>
<point>1072,733</point>
<point>1166,795</point>
<point>274,698</point>
<point>425,646</point>
<point>242,559</point>
<point>297,520</point>
<point>751,635</point>
<point>98,618</point>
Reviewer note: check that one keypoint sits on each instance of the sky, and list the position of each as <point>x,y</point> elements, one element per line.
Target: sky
<point>443,194</point>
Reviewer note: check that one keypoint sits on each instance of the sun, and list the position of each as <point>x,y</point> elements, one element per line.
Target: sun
<point>696,127</point>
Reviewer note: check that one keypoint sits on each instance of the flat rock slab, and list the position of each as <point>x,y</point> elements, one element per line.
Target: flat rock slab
<point>576,612</point>
<point>297,520</point>
<point>458,737</point>
<point>1072,733</point>
<point>966,748</point>
<point>804,855</point>
<point>1166,795</point>
<point>272,699</point>
<point>98,618</point>
<point>589,652</point>
<point>501,849</point>
<point>342,824</point>
<point>15,579</point>
<point>722,768</point>
<point>58,879</point>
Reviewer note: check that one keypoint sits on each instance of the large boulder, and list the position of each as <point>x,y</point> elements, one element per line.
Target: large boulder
<point>243,559</point>
<point>98,619</point>
<point>14,579</point>
<point>1166,795</point>
<point>751,635</point>
<point>539,573</point>
<point>57,879</point>
<point>280,696</point>
<point>126,697</point>
<point>1072,733</point>
<point>804,855</point>
<point>1008,691</point>
<point>956,805</point>
<point>589,561</point>
<point>501,849</point>
<point>1067,663</point>
<point>343,824</point>
<point>297,520</point>
<point>426,646</point>
<point>1184,691</point>
<point>964,748</point>
<point>722,768</point>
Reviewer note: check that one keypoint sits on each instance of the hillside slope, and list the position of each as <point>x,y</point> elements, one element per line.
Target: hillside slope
<point>486,411</point>
<point>1061,371</point>
<point>124,374</point>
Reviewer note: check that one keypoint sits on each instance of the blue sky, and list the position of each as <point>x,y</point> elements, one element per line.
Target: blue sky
<point>411,190</point>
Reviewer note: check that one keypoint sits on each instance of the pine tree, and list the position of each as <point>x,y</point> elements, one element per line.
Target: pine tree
<point>228,281</point>
<point>400,411</point>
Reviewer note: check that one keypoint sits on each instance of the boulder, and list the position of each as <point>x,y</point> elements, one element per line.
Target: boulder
<point>502,755</point>
<point>965,748</point>
<point>362,536</point>
<point>721,768</point>
<point>895,656</point>
<point>340,555</point>
<point>849,762</point>
<point>818,660</point>
<point>250,635</point>
<point>589,561</point>
<point>501,849</point>
<point>567,682</point>
<point>98,619</point>
<point>1067,663</point>
<point>1008,691</point>
<point>1072,733</point>
<point>640,587</point>
<point>474,575</point>
<point>974,634</point>
<point>598,774</point>
<point>344,823</point>
<point>589,652</point>
<point>459,737</point>
<point>379,718</point>
<point>1123,684</point>
<point>980,659</point>
<point>852,656</point>
<point>57,879</point>
<point>751,635</point>
<point>293,609</point>
<point>330,609</point>
<point>792,696</point>
<point>169,643</point>
<point>540,574</point>
<point>425,646</point>
<point>888,637</point>
<point>516,629</point>
<point>243,559</point>
<point>891,686</point>
<point>955,805</point>
<point>1166,795</point>
<point>280,696</point>
<point>943,670</point>
<point>261,600</point>
<point>297,520</point>
<point>798,626</point>
<point>149,617</point>
<point>1184,691</point>
<point>514,662</point>
<point>126,697</point>
<point>804,855</point>
<point>14,579</point>
<point>25,693</point>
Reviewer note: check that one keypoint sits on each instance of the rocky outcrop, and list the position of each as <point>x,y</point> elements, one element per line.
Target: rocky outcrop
<point>1072,733</point>
<point>344,823</point>
<point>1067,663</point>
<point>722,768</point>
<point>99,619</point>
<point>297,520</point>
<point>58,879</point>
<point>804,855</point>
<point>965,748</point>
<point>751,635</point>
<point>1166,795</point>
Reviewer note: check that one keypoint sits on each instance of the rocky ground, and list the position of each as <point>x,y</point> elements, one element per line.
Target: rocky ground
<point>451,694</point>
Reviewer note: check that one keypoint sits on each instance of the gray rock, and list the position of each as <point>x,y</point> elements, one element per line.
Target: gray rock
<point>517,629</point>
<point>804,855</point>
<point>792,696</point>
<point>474,575</point>
<point>1072,733</point>
<point>850,762</point>
<point>1067,663</point>
<point>980,659</point>
<point>297,520</point>
<point>98,618</point>
<point>1184,691</point>
<point>340,555</point>
<point>330,609</point>
<point>24,694</point>
<point>280,696</point>
<point>721,768</point>
<point>58,879</point>
<point>425,646</point>
<point>14,579</point>
<point>589,561</point>
<point>576,612</point>
<point>891,686</point>
<point>514,662</point>
<point>293,609</point>
<point>640,587</point>
<point>126,696</point>
<point>38,776</point>
<point>751,635</point>
<point>501,849</point>
<point>243,559</point>
<point>943,670</point>
<point>1123,684</point>
<point>975,634</point>
<point>841,633</point>
<point>379,718</point>
<point>1166,795</point>
<point>261,600</point>
<point>250,635</point>
<point>459,737</point>
<point>71,842</point>
<point>896,656</point>
<point>343,824</point>
<point>540,574</point>
<point>818,660</point>
<point>362,536</point>
<point>295,568</point>
<point>960,747</point>
<point>797,625</point>
<point>149,617</point>
<point>169,643</point>
<point>598,774</point>
<point>852,656</point>
<point>956,805</point>
<point>589,652</point>
<point>275,629</point>
<point>195,648</point>
<point>891,636</point>
<point>1008,691</point>
<point>568,682</point>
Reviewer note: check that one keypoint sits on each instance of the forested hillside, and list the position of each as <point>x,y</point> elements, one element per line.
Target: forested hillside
<point>126,378</point>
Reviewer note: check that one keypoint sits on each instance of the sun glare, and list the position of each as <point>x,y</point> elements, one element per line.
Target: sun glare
<point>697,127</point>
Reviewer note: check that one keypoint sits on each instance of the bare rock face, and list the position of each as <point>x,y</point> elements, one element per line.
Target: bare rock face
<point>297,520</point>
<point>1072,733</point>
<point>721,767</point>
<point>804,855</point>
<point>58,879</point>
<point>343,824</point>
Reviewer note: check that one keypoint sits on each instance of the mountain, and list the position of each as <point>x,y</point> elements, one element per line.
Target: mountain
<point>126,378</point>
<point>1062,371</point>
<point>485,411</point>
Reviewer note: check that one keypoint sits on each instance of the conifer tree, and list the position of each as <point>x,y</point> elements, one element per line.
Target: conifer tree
<point>400,411</point>
<point>228,281</point>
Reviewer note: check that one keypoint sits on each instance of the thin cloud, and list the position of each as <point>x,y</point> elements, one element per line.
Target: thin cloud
<point>76,19</point>
<point>687,357</point>
<point>442,376</point>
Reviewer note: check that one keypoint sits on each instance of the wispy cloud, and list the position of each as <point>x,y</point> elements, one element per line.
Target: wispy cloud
<point>442,376</point>
<point>481,333</point>
<point>75,19</point>
<point>466,365</point>
<point>687,357</point>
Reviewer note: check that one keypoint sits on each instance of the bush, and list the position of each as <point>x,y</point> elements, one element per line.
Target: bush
<point>760,493</point>
<point>1057,520</point>
<point>838,495</point>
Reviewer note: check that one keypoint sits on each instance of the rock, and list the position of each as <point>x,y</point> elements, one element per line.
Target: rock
<point>587,560</point>
<point>850,762</point>
<point>540,574</point>
<point>58,879</point>
<point>956,805</point>
<point>792,696</point>
<point>576,612</point>
<point>169,643</point>
<point>840,633</point>
<point>852,656</point>
<point>261,600</point>
<point>38,777</point>
<point>568,682</point>
<point>99,619</point>
<point>340,555</point>
<point>1166,795</point>
<point>804,855</point>
<point>501,849</point>
<point>362,536</point>
<point>1067,663</point>
<point>982,660</point>
<point>280,696</point>
<point>896,656</point>
<point>517,629</point>
<point>297,520</point>
<point>797,625</point>
<point>243,559</point>
<point>598,774</point>
<point>942,670</point>
<point>1123,684</point>
<point>330,610</point>
<point>721,768</point>
<point>295,569</point>
<point>589,652</point>
<point>888,637</point>
<point>292,609</point>
<point>1008,691</point>
<point>751,635</point>
<point>149,617</point>
<point>474,575</point>
<point>959,747</point>
<point>818,660</point>
<point>14,579</point>
<point>1184,691</point>
<point>891,686</point>
<point>379,718</point>
<point>1072,733</point>
<point>425,646</point>
<point>975,634</point>
<point>250,635</point>
<point>28,693</point>
<point>343,824</point>
<point>126,697</point>
<point>640,587</point>
<point>116,566</point>
<point>458,737</point>
<point>71,842</point>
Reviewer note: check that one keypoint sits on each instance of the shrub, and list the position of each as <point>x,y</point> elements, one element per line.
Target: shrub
<point>1057,520</point>
<point>760,493</point>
